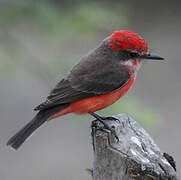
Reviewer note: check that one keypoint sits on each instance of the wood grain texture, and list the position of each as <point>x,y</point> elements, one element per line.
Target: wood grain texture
<point>134,157</point>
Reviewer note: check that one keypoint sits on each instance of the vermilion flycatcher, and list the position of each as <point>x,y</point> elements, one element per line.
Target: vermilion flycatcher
<point>96,82</point>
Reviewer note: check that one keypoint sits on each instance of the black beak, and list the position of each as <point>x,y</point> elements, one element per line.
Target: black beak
<point>153,56</point>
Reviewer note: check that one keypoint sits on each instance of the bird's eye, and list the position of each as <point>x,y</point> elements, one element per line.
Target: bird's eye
<point>134,55</point>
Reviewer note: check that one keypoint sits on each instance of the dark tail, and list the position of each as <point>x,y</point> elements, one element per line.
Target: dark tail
<point>18,139</point>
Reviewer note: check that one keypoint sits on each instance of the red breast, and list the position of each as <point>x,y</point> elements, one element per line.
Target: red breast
<point>95,103</point>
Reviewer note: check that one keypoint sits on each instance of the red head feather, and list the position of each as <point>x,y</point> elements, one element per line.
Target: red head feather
<point>127,40</point>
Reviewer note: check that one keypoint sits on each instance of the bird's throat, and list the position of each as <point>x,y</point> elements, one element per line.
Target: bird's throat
<point>133,65</point>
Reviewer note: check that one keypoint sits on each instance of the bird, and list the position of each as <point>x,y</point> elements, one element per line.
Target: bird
<point>97,81</point>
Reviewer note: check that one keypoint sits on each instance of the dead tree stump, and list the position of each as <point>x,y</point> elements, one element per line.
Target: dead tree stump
<point>134,157</point>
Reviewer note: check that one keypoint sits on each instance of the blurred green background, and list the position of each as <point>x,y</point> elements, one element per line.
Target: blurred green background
<point>41,40</point>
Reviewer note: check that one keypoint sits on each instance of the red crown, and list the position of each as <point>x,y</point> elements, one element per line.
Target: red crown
<point>127,40</point>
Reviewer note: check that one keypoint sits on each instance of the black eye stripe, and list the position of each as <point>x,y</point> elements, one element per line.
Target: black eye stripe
<point>133,54</point>
<point>127,55</point>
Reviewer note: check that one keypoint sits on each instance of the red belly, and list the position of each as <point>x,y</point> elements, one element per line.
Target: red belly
<point>95,103</point>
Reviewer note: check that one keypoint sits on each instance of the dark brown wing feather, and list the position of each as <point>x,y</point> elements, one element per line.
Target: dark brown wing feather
<point>87,79</point>
<point>63,93</point>
<point>98,79</point>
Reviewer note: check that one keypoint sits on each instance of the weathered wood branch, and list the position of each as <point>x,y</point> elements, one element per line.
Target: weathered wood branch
<point>134,157</point>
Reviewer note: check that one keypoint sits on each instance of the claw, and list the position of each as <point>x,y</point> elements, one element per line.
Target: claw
<point>114,133</point>
<point>111,119</point>
<point>106,126</point>
<point>94,124</point>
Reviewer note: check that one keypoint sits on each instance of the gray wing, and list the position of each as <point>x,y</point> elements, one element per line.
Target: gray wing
<point>87,79</point>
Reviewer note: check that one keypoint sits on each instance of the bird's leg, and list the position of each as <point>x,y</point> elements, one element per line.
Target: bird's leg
<point>106,126</point>
<point>105,118</point>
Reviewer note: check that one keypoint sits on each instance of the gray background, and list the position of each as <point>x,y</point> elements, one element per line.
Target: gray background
<point>62,149</point>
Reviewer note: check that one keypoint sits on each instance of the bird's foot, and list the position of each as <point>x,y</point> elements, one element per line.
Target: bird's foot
<point>106,126</point>
<point>110,118</point>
